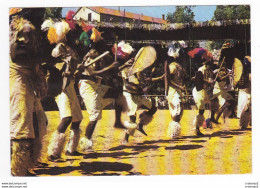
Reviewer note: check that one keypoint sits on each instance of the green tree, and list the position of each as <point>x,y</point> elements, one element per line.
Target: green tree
<point>53,13</point>
<point>231,12</point>
<point>182,14</point>
<point>216,44</point>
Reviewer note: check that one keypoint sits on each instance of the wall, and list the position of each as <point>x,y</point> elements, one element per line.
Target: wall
<point>83,14</point>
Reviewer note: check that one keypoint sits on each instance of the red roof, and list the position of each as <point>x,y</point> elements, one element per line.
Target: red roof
<point>127,15</point>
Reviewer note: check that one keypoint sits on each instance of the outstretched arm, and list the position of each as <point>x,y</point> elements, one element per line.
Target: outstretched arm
<point>158,78</point>
<point>110,67</point>
<point>126,64</point>
<point>223,77</point>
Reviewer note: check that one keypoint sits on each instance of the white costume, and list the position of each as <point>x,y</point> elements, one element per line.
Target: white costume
<point>92,94</point>
<point>220,91</point>
<point>68,104</point>
<point>134,101</point>
<point>244,96</point>
<point>175,98</point>
<point>203,96</point>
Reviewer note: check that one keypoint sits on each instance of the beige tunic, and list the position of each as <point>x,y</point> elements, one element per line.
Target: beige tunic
<point>23,102</point>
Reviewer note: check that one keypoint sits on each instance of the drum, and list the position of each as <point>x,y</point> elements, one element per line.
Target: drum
<point>166,77</point>
<point>237,69</point>
<point>145,57</point>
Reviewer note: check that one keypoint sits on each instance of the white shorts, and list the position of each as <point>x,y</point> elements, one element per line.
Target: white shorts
<point>201,98</point>
<point>244,101</point>
<point>174,101</point>
<point>222,95</point>
<point>136,101</point>
<point>68,103</point>
<point>92,94</point>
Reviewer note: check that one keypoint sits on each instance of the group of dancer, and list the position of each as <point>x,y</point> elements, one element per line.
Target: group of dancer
<point>103,77</point>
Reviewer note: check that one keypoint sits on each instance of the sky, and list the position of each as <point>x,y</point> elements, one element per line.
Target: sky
<point>202,13</point>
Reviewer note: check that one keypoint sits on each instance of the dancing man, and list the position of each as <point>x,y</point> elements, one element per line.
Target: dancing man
<point>220,91</point>
<point>134,87</point>
<point>202,92</point>
<point>93,93</point>
<point>66,98</point>
<point>174,87</point>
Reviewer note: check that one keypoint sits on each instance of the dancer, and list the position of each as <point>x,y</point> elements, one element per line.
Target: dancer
<point>93,93</point>
<point>174,88</point>
<point>66,98</point>
<point>220,91</point>
<point>133,91</point>
<point>202,92</point>
<point>99,86</point>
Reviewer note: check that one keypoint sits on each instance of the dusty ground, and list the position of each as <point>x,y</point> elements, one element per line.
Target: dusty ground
<point>225,150</point>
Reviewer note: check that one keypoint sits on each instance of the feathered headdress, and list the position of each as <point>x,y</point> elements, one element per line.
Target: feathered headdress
<point>52,35</point>
<point>34,15</point>
<point>85,27</point>
<point>57,32</point>
<point>84,39</point>
<point>69,19</point>
<point>13,11</point>
<point>201,53</point>
<point>174,49</point>
<point>96,35</point>
<point>47,24</point>
<point>123,50</point>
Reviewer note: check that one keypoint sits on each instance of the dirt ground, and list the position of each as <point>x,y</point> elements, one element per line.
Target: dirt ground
<point>224,150</point>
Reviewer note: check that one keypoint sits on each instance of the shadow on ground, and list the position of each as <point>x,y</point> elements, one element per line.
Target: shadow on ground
<point>135,147</point>
<point>114,155</point>
<point>89,168</point>
<point>228,134</point>
<point>184,147</point>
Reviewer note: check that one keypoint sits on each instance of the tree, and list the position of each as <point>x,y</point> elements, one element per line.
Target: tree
<point>231,12</point>
<point>53,13</point>
<point>216,44</point>
<point>182,14</point>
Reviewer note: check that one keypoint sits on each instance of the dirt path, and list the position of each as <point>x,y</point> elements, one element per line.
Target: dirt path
<point>225,150</point>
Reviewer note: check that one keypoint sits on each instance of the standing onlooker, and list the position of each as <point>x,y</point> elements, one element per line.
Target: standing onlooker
<point>27,86</point>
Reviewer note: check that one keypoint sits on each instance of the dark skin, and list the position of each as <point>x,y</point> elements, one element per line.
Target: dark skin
<point>126,64</point>
<point>114,65</point>
<point>224,77</point>
<point>23,51</point>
